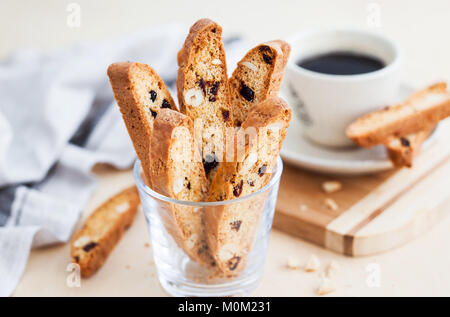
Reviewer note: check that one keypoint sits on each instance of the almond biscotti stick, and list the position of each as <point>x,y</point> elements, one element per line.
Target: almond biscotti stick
<point>177,173</point>
<point>140,94</point>
<point>231,229</point>
<point>420,111</point>
<point>402,150</point>
<point>257,76</point>
<point>102,230</point>
<point>203,91</point>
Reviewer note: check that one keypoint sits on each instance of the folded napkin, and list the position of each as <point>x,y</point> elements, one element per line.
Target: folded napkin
<point>58,119</point>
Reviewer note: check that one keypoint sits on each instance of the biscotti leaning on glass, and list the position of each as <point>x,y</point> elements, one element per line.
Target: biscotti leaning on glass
<point>222,144</point>
<point>403,128</point>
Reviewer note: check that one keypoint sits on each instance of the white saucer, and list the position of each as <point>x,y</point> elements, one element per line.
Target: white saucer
<point>301,152</point>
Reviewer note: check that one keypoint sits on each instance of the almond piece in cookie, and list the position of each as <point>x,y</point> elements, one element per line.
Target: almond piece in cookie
<point>102,230</point>
<point>140,94</point>
<point>203,91</point>
<point>257,76</point>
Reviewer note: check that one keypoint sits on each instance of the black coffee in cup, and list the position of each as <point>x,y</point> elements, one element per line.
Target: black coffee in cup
<point>342,63</point>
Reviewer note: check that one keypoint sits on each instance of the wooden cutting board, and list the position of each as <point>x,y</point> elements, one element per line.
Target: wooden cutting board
<point>376,212</point>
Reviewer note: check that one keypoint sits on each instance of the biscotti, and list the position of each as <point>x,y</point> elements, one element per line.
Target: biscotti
<point>401,151</point>
<point>203,91</point>
<point>257,76</point>
<point>102,230</point>
<point>422,110</point>
<point>140,94</point>
<point>177,172</point>
<point>231,229</point>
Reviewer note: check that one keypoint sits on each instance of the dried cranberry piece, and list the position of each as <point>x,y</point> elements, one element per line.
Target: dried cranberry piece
<point>188,186</point>
<point>201,83</point>
<point>267,59</point>
<point>236,225</point>
<point>234,262</point>
<point>88,247</point>
<point>214,88</point>
<point>237,190</point>
<point>153,95</point>
<point>251,183</point>
<point>265,48</point>
<point>77,258</point>
<point>165,104</point>
<point>405,142</point>
<point>247,92</point>
<point>262,170</point>
<point>225,114</point>
<point>153,113</point>
<point>209,163</point>
<point>203,248</point>
<point>212,98</point>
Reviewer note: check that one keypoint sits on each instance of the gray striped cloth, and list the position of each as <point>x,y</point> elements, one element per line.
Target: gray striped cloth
<point>57,120</point>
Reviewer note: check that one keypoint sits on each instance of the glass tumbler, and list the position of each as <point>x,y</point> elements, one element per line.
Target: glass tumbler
<point>180,275</point>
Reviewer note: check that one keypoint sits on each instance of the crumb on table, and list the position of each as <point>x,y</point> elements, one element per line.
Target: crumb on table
<point>313,263</point>
<point>331,204</point>
<point>331,186</point>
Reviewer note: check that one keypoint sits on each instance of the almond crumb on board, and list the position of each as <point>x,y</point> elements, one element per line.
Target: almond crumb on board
<point>326,286</point>
<point>293,263</point>
<point>331,204</point>
<point>313,264</point>
<point>147,245</point>
<point>331,186</point>
<point>332,269</point>
<point>303,207</point>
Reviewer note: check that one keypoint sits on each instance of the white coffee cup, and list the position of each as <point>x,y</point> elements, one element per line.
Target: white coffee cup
<point>326,104</point>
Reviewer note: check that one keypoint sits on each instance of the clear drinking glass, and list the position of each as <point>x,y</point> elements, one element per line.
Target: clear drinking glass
<point>178,274</point>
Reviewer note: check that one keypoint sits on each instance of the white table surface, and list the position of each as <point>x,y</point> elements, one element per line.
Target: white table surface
<point>421,28</point>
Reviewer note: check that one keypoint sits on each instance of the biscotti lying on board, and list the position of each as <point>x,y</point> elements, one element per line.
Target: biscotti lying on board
<point>102,230</point>
<point>401,150</point>
<point>421,111</point>
<point>405,127</point>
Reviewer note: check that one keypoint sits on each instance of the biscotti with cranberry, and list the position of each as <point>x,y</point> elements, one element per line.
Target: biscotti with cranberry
<point>177,172</point>
<point>422,110</point>
<point>401,151</point>
<point>231,229</point>
<point>257,76</point>
<point>203,91</point>
<point>100,233</point>
<point>140,94</point>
